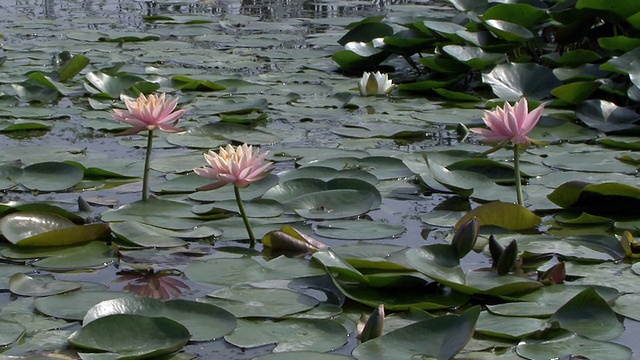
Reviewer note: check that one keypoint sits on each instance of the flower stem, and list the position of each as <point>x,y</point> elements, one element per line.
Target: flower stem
<point>147,163</point>
<point>245,219</point>
<point>516,169</point>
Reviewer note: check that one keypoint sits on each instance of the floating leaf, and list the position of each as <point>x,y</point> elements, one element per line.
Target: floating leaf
<point>589,315</point>
<point>132,335</point>
<point>162,213</point>
<point>358,229</point>
<point>10,332</point>
<point>204,321</point>
<point>145,235</point>
<point>244,300</point>
<point>290,335</point>
<point>514,81</point>
<point>50,176</point>
<point>565,343</point>
<point>607,116</point>
<point>332,204</point>
<point>74,305</point>
<point>509,216</point>
<point>232,271</point>
<point>47,229</point>
<point>507,326</point>
<point>24,285</point>
<point>440,337</point>
<point>609,199</point>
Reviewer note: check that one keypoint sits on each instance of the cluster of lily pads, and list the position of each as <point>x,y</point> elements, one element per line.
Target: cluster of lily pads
<point>583,53</point>
<point>558,276</point>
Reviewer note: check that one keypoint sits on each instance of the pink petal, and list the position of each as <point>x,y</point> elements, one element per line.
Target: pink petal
<point>532,119</point>
<point>520,111</point>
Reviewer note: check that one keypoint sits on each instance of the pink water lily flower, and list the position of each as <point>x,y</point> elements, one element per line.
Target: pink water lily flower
<point>239,166</point>
<point>150,113</point>
<point>512,123</point>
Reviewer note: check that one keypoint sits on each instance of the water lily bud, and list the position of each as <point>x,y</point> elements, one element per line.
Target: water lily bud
<point>554,275</point>
<point>508,258</point>
<point>465,237</point>
<point>630,245</point>
<point>375,84</point>
<point>495,249</point>
<point>83,205</point>
<point>374,326</point>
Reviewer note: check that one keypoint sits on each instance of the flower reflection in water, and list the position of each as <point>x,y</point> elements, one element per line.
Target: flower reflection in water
<point>162,284</point>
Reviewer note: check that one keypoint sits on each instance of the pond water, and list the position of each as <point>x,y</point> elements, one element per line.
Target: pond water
<point>275,56</point>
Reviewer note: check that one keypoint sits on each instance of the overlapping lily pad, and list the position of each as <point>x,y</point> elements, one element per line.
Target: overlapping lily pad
<point>47,229</point>
<point>134,336</point>
<point>290,335</point>
<point>204,321</point>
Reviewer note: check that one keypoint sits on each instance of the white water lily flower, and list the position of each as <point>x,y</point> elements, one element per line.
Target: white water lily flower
<point>375,84</point>
<point>378,42</point>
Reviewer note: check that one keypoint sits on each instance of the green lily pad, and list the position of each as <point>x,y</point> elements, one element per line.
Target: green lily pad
<point>628,305</point>
<point>74,305</point>
<point>473,56</point>
<point>440,262</point>
<point>380,130</point>
<point>50,176</point>
<point>256,190</point>
<point>25,285</point>
<point>384,168</point>
<point>8,270</point>
<point>257,208</point>
<point>204,321</point>
<point>508,327</point>
<point>161,213</point>
<point>231,271</point>
<point>405,299</point>
<point>548,299</point>
<point>145,235</point>
<point>589,315</point>
<point>608,199</point>
<point>38,343</point>
<point>358,230</point>
<point>245,300</point>
<point>110,86</point>
<point>47,229</point>
<point>290,335</point>
<point>440,337</point>
<point>518,13</point>
<point>296,355</point>
<point>10,332</point>
<point>506,215</point>
<point>332,204</point>
<point>94,255</point>
<point>514,81</point>
<point>607,117</point>
<point>565,343</point>
<point>575,92</point>
<point>134,336</point>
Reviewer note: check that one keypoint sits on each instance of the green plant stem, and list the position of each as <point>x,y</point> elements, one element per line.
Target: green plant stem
<point>147,163</point>
<point>245,219</point>
<point>516,169</point>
